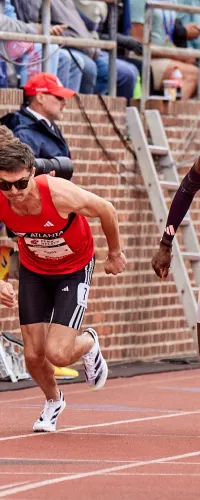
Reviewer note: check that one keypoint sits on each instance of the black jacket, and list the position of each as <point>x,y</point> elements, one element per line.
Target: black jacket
<point>44,142</point>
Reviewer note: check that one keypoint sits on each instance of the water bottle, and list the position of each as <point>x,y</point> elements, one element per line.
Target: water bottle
<point>177,76</point>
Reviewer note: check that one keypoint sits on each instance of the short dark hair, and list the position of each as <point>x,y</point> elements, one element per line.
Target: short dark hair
<point>28,99</point>
<point>6,135</point>
<point>14,154</point>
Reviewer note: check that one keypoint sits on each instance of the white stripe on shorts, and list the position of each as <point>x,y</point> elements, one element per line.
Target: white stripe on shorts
<point>78,313</point>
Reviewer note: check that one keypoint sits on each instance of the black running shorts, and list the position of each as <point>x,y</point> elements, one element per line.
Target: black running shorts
<point>60,299</point>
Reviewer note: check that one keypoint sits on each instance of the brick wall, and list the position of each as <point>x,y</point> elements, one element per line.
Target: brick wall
<point>136,315</point>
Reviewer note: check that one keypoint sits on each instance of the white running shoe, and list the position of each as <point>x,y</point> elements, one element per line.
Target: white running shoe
<point>49,415</point>
<point>96,369</point>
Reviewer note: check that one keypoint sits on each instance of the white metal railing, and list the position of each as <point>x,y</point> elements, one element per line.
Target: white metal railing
<point>79,43</point>
<point>149,49</point>
<point>112,26</point>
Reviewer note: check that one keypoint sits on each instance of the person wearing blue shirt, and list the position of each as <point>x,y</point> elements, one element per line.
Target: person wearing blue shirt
<point>191,21</point>
<point>162,35</point>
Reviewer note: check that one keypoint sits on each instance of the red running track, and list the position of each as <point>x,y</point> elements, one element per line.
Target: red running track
<point>138,438</point>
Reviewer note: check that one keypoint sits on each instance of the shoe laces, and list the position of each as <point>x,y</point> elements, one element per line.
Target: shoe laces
<point>89,365</point>
<point>48,409</point>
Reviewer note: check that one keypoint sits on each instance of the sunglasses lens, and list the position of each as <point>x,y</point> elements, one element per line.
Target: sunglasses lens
<point>59,98</point>
<point>5,186</point>
<point>21,184</point>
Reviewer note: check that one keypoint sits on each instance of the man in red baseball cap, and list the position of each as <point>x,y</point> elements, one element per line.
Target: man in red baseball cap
<point>46,83</point>
<point>35,123</point>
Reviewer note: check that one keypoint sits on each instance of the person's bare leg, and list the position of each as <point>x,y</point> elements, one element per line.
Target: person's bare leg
<point>40,369</point>
<point>190,77</point>
<point>64,346</point>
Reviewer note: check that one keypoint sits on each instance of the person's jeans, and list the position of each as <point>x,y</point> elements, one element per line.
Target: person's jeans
<point>90,70</point>
<point>97,71</point>
<point>68,72</point>
<point>127,75</point>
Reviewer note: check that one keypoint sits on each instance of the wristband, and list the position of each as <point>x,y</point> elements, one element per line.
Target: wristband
<point>166,244</point>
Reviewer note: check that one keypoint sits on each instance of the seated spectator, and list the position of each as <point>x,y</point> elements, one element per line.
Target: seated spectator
<point>94,12</point>
<point>28,55</point>
<point>162,34</point>
<point>95,16</point>
<point>191,22</point>
<point>34,123</point>
<point>30,12</point>
<point>95,61</point>
<point>128,48</point>
<point>65,11</point>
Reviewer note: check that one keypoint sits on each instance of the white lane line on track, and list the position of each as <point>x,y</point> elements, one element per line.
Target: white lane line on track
<point>107,474</point>
<point>147,474</point>
<point>104,424</point>
<point>100,472</point>
<point>135,383</point>
<point>13,484</point>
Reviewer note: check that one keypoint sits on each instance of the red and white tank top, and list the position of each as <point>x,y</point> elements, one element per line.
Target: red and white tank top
<point>49,243</point>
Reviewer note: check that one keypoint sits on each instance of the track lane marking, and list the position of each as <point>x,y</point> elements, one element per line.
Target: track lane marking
<point>4,486</point>
<point>104,424</point>
<point>100,472</point>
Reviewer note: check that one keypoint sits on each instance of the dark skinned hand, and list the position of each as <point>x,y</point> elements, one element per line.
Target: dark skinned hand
<point>161,261</point>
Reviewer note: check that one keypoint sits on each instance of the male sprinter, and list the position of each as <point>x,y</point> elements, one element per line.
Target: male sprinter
<point>56,265</point>
<point>179,207</point>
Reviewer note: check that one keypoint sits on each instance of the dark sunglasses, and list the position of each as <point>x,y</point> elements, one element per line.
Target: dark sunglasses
<point>59,98</point>
<point>20,184</point>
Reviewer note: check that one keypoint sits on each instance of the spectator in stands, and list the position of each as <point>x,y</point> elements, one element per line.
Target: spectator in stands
<point>29,54</point>
<point>191,22</point>
<point>126,73</point>
<point>96,61</point>
<point>95,16</point>
<point>93,12</point>
<point>34,124</point>
<point>162,34</point>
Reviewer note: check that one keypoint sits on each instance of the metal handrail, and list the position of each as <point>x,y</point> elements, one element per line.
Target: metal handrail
<point>79,43</point>
<point>68,41</point>
<point>111,45</point>
<point>149,49</point>
<point>175,7</point>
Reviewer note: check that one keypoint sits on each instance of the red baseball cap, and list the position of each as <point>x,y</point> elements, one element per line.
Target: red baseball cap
<point>46,83</point>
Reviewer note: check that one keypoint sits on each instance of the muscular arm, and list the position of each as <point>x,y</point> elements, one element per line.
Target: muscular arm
<point>68,197</point>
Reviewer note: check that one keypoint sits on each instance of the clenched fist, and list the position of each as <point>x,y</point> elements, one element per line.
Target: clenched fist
<point>161,261</point>
<point>115,264</point>
<point>7,294</point>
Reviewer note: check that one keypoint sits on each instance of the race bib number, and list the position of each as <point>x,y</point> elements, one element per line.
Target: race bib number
<point>83,292</point>
<point>49,248</point>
